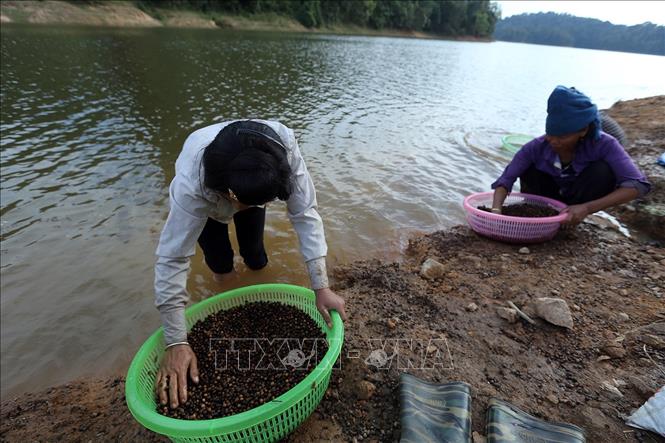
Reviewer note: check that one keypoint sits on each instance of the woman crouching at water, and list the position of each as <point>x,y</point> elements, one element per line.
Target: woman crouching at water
<point>228,172</point>
<point>574,162</point>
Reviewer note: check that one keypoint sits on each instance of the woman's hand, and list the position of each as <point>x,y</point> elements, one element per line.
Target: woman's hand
<point>326,299</point>
<point>500,194</point>
<point>576,213</point>
<point>171,384</point>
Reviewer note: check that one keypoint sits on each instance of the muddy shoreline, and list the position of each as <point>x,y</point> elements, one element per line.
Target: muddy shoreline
<point>614,286</point>
<point>592,375</point>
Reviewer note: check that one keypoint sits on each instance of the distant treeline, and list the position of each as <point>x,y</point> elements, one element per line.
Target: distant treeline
<point>567,30</point>
<point>449,18</point>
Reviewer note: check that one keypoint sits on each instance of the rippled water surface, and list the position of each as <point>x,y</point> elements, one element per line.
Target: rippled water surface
<point>394,131</point>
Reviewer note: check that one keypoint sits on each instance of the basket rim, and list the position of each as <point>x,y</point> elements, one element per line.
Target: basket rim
<point>525,220</point>
<point>507,141</point>
<point>172,427</point>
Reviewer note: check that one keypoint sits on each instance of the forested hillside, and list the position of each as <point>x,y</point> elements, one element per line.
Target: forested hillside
<point>443,17</point>
<point>567,30</point>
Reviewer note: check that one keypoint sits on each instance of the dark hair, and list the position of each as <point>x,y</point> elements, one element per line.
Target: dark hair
<point>591,132</point>
<point>248,158</point>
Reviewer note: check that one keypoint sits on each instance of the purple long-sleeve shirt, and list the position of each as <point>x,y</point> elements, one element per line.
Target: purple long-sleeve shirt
<point>540,154</point>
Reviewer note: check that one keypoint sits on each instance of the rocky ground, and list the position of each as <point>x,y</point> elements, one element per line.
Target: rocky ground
<point>452,322</point>
<point>81,411</point>
<point>607,364</point>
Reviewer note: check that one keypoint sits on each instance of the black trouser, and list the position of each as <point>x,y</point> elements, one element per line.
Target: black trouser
<point>596,181</point>
<point>214,240</point>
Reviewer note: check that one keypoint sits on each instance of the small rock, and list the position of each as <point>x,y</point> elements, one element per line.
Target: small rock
<point>653,341</point>
<point>431,349</point>
<point>555,311</point>
<point>610,390</point>
<point>622,317</point>
<point>552,399</point>
<point>573,268</point>
<point>366,390</point>
<point>652,335</point>
<point>640,386</point>
<point>619,383</point>
<point>478,438</point>
<point>524,250</point>
<point>577,308</point>
<point>624,292</point>
<point>508,314</point>
<point>445,288</point>
<point>603,358</point>
<point>432,269</point>
<point>627,273</point>
<point>392,323</point>
<point>594,417</point>
<point>473,258</point>
<point>614,350</point>
<point>472,307</point>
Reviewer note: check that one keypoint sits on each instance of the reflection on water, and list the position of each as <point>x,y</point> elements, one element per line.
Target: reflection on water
<point>394,131</point>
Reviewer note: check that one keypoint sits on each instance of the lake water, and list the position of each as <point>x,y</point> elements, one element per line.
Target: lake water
<point>395,132</point>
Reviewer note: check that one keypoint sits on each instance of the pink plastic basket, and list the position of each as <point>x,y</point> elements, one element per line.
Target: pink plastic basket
<point>513,229</point>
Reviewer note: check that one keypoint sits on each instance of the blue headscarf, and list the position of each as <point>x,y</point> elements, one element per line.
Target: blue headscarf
<point>568,111</point>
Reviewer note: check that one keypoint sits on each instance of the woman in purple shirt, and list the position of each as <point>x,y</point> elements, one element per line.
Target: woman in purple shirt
<point>575,162</point>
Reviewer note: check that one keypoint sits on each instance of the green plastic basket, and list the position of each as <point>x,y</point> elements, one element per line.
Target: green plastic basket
<point>514,142</point>
<point>266,423</point>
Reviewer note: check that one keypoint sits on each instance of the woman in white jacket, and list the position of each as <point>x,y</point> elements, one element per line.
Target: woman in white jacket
<point>230,171</point>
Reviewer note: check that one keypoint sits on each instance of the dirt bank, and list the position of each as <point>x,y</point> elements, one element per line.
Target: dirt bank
<point>113,13</point>
<point>614,287</point>
<point>644,123</point>
<point>126,14</point>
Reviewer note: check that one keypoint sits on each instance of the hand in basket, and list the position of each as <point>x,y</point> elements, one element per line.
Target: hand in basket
<point>576,213</point>
<point>178,362</point>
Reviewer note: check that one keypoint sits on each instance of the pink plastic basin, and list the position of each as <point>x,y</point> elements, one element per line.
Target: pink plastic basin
<point>513,229</point>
